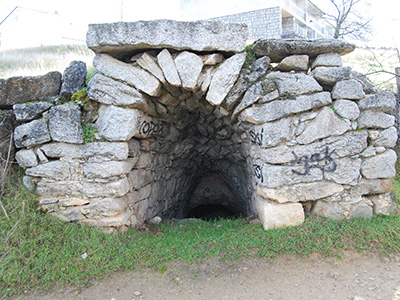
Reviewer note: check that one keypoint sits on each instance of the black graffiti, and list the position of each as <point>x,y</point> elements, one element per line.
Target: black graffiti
<point>320,160</point>
<point>148,128</point>
<point>258,172</point>
<point>256,138</point>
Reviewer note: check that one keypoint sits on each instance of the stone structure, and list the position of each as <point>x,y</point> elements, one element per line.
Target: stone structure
<point>180,129</point>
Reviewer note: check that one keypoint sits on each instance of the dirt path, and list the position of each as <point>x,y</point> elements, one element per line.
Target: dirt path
<point>354,275</point>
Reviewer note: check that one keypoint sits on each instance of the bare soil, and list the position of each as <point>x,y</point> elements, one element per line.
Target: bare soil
<point>367,276</point>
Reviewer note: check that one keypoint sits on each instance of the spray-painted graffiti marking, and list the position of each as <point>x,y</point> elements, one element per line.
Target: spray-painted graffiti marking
<point>320,160</point>
<point>258,172</point>
<point>256,138</point>
<point>148,128</point>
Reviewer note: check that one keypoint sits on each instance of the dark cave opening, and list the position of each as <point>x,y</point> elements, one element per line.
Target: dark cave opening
<point>209,212</point>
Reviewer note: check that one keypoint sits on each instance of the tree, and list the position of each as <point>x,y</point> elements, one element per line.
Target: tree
<point>347,19</point>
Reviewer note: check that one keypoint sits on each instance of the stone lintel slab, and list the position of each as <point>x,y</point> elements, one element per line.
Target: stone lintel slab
<point>122,39</point>
<point>278,49</point>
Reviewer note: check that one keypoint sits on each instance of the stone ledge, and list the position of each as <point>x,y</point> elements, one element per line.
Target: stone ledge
<point>122,39</point>
<point>278,49</point>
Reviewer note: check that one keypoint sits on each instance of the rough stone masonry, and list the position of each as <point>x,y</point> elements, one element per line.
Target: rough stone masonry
<point>183,120</point>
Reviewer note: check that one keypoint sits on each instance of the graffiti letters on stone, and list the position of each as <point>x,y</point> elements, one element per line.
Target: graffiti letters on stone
<point>256,138</point>
<point>320,160</point>
<point>258,172</point>
<point>148,128</point>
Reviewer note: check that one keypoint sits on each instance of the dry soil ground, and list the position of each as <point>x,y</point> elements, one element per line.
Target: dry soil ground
<point>367,276</point>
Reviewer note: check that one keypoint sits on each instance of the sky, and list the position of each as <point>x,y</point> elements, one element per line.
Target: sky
<point>72,16</point>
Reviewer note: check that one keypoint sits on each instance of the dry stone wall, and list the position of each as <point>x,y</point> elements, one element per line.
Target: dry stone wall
<point>191,122</point>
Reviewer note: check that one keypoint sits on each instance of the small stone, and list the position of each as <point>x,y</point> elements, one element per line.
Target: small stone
<point>385,101</point>
<point>271,111</point>
<point>294,84</point>
<point>139,78</point>
<point>224,78</point>
<point>65,124</point>
<point>31,134</point>
<point>380,166</point>
<point>189,66</point>
<point>331,75</point>
<point>30,111</point>
<point>386,138</point>
<point>347,109</point>
<point>375,119</point>
<point>168,67</point>
<point>348,89</point>
<point>294,63</point>
<point>327,60</point>
<point>26,158</point>
<point>212,59</point>
<point>279,215</point>
<point>325,124</point>
<point>148,62</point>
<point>73,80</point>
<point>154,221</point>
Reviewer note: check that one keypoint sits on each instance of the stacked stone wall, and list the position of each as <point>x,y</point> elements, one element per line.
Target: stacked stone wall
<point>288,134</point>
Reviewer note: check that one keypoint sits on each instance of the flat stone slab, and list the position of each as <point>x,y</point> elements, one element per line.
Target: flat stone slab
<point>278,49</point>
<point>122,39</point>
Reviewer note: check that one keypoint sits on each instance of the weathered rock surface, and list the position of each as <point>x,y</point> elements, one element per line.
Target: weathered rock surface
<point>65,124</point>
<point>331,75</point>
<point>121,124</point>
<point>73,79</point>
<point>168,67</point>
<point>386,138</point>
<point>56,170</point>
<point>139,78</point>
<point>347,109</point>
<point>148,62</point>
<point>246,78</point>
<point>108,91</point>
<point>26,158</point>
<point>30,111</point>
<point>31,134</point>
<point>300,192</point>
<point>294,63</point>
<point>189,66</point>
<point>325,124</point>
<point>121,39</point>
<point>384,101</point>
<point>224,78</point>
<point>259,114</point>
<point>348,89</point>
<point>375,119</point>
<point>107,169</point>
<point>17,90</point>
<point>294,84</point>
<point>380,166</point>
<point>279,215</point>
<point>327,60</point>
<point>278,49</point>
<point>384,204</point>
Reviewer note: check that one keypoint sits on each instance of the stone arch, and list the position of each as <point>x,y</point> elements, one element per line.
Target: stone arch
<point>184,121</point>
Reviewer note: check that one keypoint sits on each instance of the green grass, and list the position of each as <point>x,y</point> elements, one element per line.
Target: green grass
<point>40,252</point>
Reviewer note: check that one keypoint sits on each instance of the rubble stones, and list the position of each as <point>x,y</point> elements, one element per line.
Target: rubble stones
<point>294,63</point>
<point>384,101</point>
<point>135,76</point>
<point>380,166</point>
<point>16,90</point>
<point>375,119</point>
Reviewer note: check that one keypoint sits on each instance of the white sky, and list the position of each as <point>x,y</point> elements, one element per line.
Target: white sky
<point>79,13</point>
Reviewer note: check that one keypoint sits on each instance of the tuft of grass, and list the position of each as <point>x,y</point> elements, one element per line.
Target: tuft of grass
<point>40,252</point>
